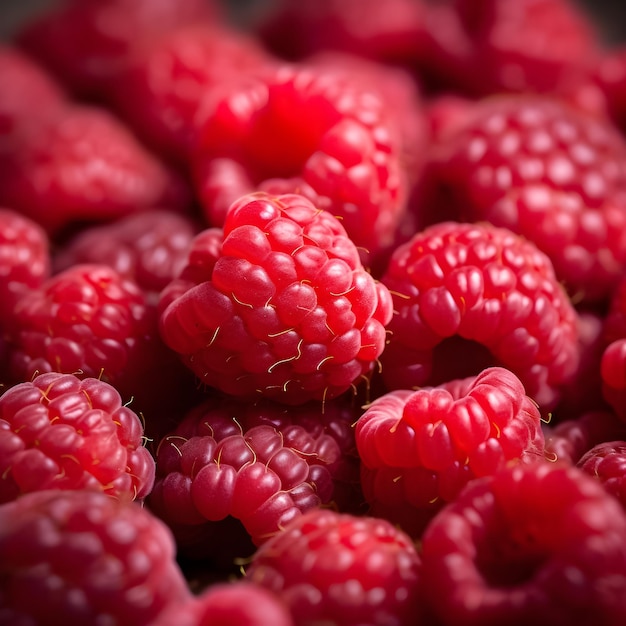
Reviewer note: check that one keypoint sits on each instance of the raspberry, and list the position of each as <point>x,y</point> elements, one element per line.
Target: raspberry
<point>606,462</point>
<point>88,43</point>
<point>349,151</point>
<point>541,543</point>
<point>24,260</point>
<point>610,74</point>
<point>570,439</point>
<point>84,165</point>
<point>545,170</point>
<point>260,463</point>
<point>420,448</point>
<point>160,91</point>
<point>239,602</point>
<point>341,569</point>
<point>467,296</point>
<point>87,559</point>
<point>287,310</point>
<point>60,432</point>
<point>150,247</point>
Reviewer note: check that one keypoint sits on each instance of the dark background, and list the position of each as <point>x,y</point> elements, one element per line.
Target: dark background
<point>609,15</point>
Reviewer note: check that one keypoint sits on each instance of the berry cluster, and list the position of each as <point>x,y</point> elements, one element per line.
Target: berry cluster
<point>312,315</point>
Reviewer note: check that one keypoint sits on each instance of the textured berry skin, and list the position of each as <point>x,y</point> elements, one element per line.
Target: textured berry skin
<point>420,448</point>
<point>150,247</point>
<point>160,91</point>
<point>341,569</point>
<point>87,559</point>
<point>241,603</point>
<point>287,311</point>
<point>84,165</point>
<point>87,319</point>
<point>348,152</point>
<point>486,294</point>
<point>88,44</point>
<point>606,462</point>
<point>542,543</point>
<point>260,463</point>
<point>545,170</point>
<point>24,260</point>
<point>60,432</point>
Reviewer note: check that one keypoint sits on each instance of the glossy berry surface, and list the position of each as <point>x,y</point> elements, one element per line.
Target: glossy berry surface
<point>606,462</point>
<point>287,311</point>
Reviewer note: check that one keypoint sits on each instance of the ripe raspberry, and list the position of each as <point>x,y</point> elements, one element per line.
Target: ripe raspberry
<point>241,603</point>
<point>420,448</point>
<point>88,43</point>
<point>60,432</point>
<point>542,543</point>
<point>610,75</point>
<point>160,91</point>
<point>606,462</point>
<point>260,463</point>
<point>80,557</point>
<point>341,569</point>
<point>570,439</point>
<point>150,247</point>
<point>84,165</point>
<point>545,170</point>
<point>467,296</point>
<point>349,151</point>
<point>287,310</point>
<point>24,260</point>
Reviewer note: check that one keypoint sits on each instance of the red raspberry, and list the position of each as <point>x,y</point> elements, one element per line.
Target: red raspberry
<point>287,310</point>
<point>570,439</point>
<point>84,165</point>
<point>89,43</point>
<point>160,92</point>
<point>81,557</point>
<point>547,171</point>
<point>150,247</point>
<point>60,432</point>
<point>341,569</point>
<point>260,463</point>
<point>420,448</point>
<point>610,74</point>
<point>536,544</point>
<point>471,295</point>
<point>24,260</point>
<point>241,603</point>
<point>606,462</point>
<point>349,151</point>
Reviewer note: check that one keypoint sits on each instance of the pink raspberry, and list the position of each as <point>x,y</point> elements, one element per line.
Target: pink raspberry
<point>84,165</point>
<point>60,432</point>
<point>341,569</point>
<point>541,543</point>
<point>349,151</point>
<point>467,296</point>
<point>420,448</point>
<point>606,462</point>
<point>81,557</point>
<point>545,170</point>
<point>150,247</point>
<point>261,463</point>
<point>287,311</point>
<point>24,260</point>
<point>160,92</point>
<point>241,603</point>
<point>88,43</point>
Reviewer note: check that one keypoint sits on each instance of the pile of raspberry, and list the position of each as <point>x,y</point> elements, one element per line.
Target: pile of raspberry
<point>312,313</point>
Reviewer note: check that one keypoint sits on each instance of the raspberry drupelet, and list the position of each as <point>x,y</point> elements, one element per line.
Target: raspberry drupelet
<point>337,568</point>
<point>418,449</point>
<point>60,432</point>
<point>535,544</point>
<point>467,296</point>
<point>286,311</point>
<point>79,557</point>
